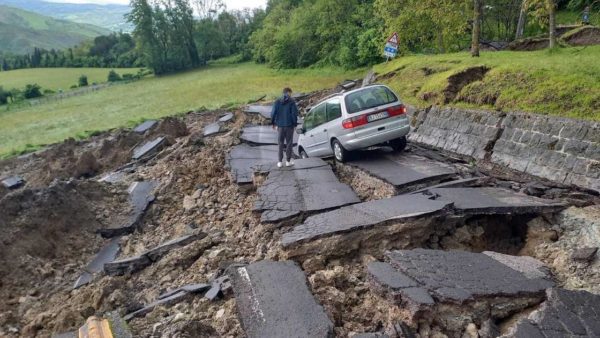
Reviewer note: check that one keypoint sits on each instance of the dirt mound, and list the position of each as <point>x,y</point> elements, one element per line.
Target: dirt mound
<point>170,127</point>
<point>583,36</point>
<point>529,44</point>
<point>459,80</point>
<point>45,235</point>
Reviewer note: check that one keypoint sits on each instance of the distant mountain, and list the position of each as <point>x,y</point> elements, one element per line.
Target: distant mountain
<point>21,31</point>
<point>111,17</point>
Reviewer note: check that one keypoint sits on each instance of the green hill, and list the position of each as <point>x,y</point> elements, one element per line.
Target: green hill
<point>21,31</point>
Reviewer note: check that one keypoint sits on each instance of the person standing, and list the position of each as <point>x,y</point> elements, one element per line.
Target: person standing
<point>284,118</point>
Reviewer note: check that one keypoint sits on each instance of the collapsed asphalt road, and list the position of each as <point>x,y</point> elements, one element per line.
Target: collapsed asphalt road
<point>199,235</point>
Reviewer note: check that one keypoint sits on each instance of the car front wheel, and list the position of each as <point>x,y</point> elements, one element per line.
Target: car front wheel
<point>303,154</point>
<point>398,144</point>
<point>340,153</point>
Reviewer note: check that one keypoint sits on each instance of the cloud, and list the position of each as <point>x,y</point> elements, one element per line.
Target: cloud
<point>231,4</point>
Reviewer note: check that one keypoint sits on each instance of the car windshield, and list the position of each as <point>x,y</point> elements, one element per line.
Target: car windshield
<point>369,98</point>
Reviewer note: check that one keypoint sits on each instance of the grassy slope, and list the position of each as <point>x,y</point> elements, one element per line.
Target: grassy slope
<point>560,82</point>
<point>212,87</point>
<point>21,31</point>
<point>56,78</point>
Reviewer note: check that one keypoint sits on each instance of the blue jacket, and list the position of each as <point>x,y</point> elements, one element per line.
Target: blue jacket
<point>284,113</point>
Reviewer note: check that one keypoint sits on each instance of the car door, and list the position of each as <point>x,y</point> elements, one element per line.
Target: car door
<point>315,136</point>
<point>333,125</point>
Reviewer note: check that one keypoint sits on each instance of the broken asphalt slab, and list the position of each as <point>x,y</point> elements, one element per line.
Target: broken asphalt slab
<point>565,313</point>
<point>443,284</point>
<point>262,110</point>
<point>144,127</point>
<point>405,171</point>
<point>107,254</point>
<point>170,298</point>
<point>273,300</point>
<point>242,160</point>
<point>494,201</point>
<point>212,129</point>
<point>262,135</point>
<point>362,216</point>
<point>226,118</point>
<point>289,192</point>
<point>140,197</point>
<point>407,219</point>
<point>136,263</point>
<point>149,149</point>
<point>13,182</point>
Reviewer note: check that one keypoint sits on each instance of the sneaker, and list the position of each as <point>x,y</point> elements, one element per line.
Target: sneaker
<point>289,163</point>
<point>279,164</point>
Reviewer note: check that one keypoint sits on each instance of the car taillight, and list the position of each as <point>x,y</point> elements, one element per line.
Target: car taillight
<point>354,122</point>
<point>397,110</point>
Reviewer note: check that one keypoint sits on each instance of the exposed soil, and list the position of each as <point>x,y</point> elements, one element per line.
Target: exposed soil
<point>459,80</point>
<point>48,235</point>
<point>584,36</point>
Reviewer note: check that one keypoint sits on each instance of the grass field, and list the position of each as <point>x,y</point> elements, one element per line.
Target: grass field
<point>560,82</point>
<point>56,78</point>
<point>212,87</point>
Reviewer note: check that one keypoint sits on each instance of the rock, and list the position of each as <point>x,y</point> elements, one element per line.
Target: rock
<point>584,254</point>
<point>189,203</point>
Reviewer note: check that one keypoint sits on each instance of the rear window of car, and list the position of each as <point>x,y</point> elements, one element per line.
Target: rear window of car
<point>370,97</point>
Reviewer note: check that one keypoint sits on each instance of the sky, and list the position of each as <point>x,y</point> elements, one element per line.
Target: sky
<point>231,4</point>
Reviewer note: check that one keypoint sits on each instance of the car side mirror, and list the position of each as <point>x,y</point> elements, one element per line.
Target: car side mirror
<point>300,130</point>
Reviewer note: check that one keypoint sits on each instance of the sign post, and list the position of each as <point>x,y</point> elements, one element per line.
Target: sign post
<point>391,47</point>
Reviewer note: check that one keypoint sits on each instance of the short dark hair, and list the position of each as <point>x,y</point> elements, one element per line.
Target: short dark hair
<point>287,90</point>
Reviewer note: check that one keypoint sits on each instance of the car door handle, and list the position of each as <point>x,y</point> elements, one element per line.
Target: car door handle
<point>324,130</point>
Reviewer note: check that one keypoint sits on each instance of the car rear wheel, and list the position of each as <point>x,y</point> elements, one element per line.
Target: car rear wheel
<point>398,144</point>
<point>339,152</point>
<point>303,154</point>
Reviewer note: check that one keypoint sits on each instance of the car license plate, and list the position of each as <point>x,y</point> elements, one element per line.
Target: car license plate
<point>378,116</point>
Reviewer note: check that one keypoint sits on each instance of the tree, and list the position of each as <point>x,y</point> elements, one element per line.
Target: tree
<point>208,8</point>
<point>426,24</point>
<point>522,20</point>
<point>83,81</point>
<point>4,95</point>
<point>551,5</point>
<point>477,5</point>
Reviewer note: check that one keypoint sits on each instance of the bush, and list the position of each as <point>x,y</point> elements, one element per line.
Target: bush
<point>32,91</point>
<point>113,76</point>
<point>129,77</point>
<point>4,95</point>
<point>48,91</point>
<point>83,81</point>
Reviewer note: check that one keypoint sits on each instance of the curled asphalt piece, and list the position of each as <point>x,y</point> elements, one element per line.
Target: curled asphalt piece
<point>170,298</point>
<point>148,149</point>
<point>136,263</point>
<point>13,182</point>
<point>144,127</point>
<point>107,254</point>
<point>212,129</point>
<point>226,118</point>
<point>140,197</point>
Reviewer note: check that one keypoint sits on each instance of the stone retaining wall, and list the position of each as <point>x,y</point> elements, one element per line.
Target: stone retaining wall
<point>465,132</point>
<point>563,150</point>
<point>559,149</point>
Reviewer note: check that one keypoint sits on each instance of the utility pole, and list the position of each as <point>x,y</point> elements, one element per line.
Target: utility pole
<point>476,28</point>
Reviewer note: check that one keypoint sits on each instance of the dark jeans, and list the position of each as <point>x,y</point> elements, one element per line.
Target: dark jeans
<point>286,141</point>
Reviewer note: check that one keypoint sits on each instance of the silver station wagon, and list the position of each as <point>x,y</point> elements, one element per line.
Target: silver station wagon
<point>354,120</point>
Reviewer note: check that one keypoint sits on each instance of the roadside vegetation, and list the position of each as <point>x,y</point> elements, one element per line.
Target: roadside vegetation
<point>218,85</point>
<point>560,82</point>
